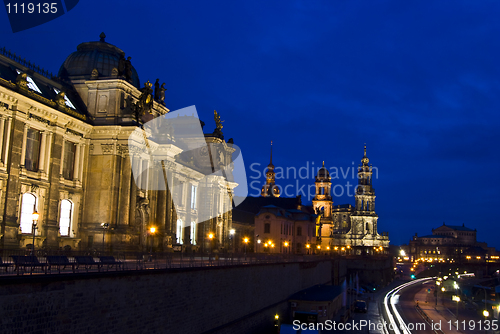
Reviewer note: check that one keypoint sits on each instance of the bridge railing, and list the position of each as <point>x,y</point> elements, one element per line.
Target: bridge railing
<point>146,260</point>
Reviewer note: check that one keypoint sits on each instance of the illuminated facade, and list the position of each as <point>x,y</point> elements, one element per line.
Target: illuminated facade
<point>451,243</point>
<point>65,153</point>
<point>344,227</point>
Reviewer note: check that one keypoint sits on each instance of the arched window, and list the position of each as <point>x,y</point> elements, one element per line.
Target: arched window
<point>28,203</point>
<point>65,217</point>
<point>180,229</point>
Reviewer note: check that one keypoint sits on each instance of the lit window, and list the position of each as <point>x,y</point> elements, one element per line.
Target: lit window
<point>65,217</point>
<point>27,209</point>
<point>193,197</point>
<point>193,233</point>
<point>32,159</point>
<point>66,99</point>
<point>69,160</point>
<point>31,84</point>
<point>180,229</point>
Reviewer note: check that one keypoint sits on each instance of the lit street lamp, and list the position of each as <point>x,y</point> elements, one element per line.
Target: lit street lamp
<point>152,231</point>
<point>245,240</point>
<point>105,226</point>
<point>35,217</point>
<point>231,235</point>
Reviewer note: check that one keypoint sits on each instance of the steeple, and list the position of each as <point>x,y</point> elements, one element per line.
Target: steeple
<point>271,163</point>
<point>365,159</point>
<point>270,188</point>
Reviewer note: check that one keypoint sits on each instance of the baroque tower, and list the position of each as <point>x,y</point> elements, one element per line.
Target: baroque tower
<point>364,218</point>
<point>270,189</point>
<point>322,201</point>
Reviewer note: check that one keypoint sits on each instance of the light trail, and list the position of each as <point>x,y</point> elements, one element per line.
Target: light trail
<point>390,301</point>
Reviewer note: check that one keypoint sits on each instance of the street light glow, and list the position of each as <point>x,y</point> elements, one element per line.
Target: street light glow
<point>210,236</point>
<point>232,231</point>
<point>152,229</point>
<point>35,215</point>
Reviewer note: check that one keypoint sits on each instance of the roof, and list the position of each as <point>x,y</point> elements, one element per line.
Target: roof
<point>254,204</point>
<point>243,217</point>
<point>46,87</point>
<point>318,293</point>
<point>454,227</point>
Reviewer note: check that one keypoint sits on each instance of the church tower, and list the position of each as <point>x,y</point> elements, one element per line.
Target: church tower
<point>364,219</point>
<point>270,189</point>
<point>322,201</point>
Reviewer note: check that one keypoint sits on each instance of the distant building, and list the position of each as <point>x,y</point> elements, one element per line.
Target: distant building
<point>451,243</point>
<point>320,228</point>
<point>344,228</point>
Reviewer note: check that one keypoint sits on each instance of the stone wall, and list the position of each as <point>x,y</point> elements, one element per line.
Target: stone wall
<point>240,299</point>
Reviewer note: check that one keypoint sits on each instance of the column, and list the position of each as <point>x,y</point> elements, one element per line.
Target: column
<point>82,161</point>
<point>124,212</point>
<point>7,141</point>
<point>2,128</point>
<point>42,151</point>
<point>23,149</point>
<point>49,152</point>
<point>62,158</point>
<point>133,189</point>
<point>145,178</point>
<point>76,170</point>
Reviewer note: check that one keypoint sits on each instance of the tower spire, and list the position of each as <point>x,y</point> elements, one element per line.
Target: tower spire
<point>271,153</point>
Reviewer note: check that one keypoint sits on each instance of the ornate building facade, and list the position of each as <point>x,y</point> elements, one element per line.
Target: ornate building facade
<point>344,227</point>
<point>66,153</point>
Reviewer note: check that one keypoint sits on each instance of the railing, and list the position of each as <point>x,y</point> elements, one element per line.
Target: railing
<point>150,261</point>
<point>26,63</point>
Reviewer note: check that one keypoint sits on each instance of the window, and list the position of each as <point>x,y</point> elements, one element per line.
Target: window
<point>267,228</point>
<point>65,217</point>
<point>179,233</point>
<point>193,233</point>
<point>31,84</point>
<point>28,203</point>
<point>69,160</point>
<point>32,159</point>
<point>299,231</point>
<point>67,101</point>
<point>193,197</point>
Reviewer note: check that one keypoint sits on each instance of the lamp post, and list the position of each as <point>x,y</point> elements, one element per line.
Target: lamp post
<point>152,231</point>
<point>245,240</point>
<point>34,227</point>
<point>210,237</point>
<point>231,237</point>
<point>286,246</point>
<point>104,226</point>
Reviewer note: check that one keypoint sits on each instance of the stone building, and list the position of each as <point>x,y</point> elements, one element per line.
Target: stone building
<point>69,144</point>
<point>344,228</point>
<point>451,243</point>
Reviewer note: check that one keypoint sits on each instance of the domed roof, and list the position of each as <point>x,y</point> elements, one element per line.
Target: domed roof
<point>323,174</point>
<point>95,55</point>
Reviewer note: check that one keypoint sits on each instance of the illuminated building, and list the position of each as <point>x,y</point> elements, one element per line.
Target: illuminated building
<point>64,152</point>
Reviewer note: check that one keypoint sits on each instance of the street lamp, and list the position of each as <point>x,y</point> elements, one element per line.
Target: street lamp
<point>152,231</point>
<point>105,226</point>
<point>245,240</point>
<point>231,235</point>
<point>456,299</point>
<point>286,246</point>
<point>35,217</point>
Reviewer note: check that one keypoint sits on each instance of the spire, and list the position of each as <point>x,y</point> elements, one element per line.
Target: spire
<point>365,159</point>
<point>323,164</point>
<point>271,153</point>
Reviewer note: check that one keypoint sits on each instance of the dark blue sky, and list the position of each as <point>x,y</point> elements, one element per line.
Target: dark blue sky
<point>418,82</point>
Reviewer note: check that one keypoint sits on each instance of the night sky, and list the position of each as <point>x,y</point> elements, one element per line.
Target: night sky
<point>418,82</point>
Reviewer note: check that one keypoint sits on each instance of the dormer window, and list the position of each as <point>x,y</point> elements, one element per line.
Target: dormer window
<point>31,84</point>
<point>67,101</point>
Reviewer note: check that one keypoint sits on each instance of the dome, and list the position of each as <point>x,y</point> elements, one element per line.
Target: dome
<point>100,55</point>
<point>323,174</point>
